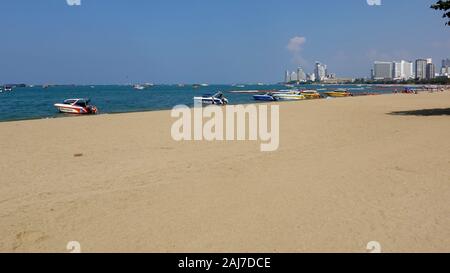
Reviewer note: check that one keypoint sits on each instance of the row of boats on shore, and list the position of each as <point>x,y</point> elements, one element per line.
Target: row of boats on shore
<point>279,95</point>
<point>83,106</point>
<point>299,95</point>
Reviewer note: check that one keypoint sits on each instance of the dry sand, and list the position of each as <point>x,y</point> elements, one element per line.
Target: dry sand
<point>346,173</point>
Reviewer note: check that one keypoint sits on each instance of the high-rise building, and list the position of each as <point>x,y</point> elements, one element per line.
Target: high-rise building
<point>397,70</point>
<point>287,76</point>
<point>445,69</point>
<point>408,70</point>
<point>402,70</point>
<point>421,69</point>
<point>320,71</point>
<point>311,77</point>
<point>293,77</point>
<point>446,63</point>
<point>301,75</point>
<point>382,70</point>
<point>431,71</point>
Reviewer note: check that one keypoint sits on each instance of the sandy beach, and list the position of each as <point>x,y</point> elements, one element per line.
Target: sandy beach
<point>347,172</point>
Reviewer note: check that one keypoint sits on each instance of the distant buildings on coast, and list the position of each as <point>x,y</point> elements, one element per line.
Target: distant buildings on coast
<point>421,69</point>
<point>320,74</point>
<point>445,69</point>
<point>418,70</point>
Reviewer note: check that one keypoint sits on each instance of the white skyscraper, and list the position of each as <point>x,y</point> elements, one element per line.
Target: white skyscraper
<point>320,71</point>
<point>287,76</point>
<point>301,76</point>
<point>397,70</point>
<point>293,77</point>
<point>408,70</point>
<point>402,70</point>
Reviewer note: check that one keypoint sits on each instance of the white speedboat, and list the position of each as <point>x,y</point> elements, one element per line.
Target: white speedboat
<point>76,106</point>
<point>218,99</point>
<point>7,88</point>
<point>265,97</point>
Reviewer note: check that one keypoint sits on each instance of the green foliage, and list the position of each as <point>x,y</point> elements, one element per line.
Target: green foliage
<point>435,81</point>
<point>443,5</point>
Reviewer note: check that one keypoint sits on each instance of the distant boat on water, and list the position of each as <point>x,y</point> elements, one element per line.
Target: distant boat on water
<point>138,87</point>
<point>7,88</point>
<point>197,85</point>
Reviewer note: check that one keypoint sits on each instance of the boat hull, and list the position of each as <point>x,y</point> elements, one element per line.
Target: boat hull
<point>311,96</point>
<point>264,98</point>
<point>69,109</point>
<point>209,101</point>
<point>289,97</point>
<point>337,94</point>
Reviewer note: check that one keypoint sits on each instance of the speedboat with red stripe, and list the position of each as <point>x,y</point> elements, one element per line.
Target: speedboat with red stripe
<point>76,106</point>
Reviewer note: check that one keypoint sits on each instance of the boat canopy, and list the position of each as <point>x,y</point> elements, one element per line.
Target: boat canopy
<point>217,95</point>
<point>79,102</point>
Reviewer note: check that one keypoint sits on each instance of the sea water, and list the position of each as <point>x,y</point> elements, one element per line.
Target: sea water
<point>37,102</point>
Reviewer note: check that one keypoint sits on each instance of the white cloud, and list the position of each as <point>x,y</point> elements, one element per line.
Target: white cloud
<point>73,2</point>
<point>295,46</point>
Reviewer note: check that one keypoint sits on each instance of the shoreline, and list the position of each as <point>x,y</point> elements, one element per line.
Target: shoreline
<point>168,109</point>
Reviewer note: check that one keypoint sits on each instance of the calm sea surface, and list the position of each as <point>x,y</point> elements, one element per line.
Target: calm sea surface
<point>37,102</point>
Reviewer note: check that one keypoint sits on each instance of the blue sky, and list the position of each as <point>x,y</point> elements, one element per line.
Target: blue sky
<point>213,41</point>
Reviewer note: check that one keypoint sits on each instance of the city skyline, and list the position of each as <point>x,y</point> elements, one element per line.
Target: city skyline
<point>420,69</point>
<point>169,42</point>
<point>403,70</point>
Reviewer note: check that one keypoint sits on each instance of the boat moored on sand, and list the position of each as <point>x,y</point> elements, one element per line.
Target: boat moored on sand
<point>76,106</point>
<point>293,95</point>
<point>338,93</point>
<point>216,99</point>
<point>265,97</point>
<point>311,94</point>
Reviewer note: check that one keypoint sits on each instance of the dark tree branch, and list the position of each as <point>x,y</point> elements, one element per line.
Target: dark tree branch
<point>445,6</point>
